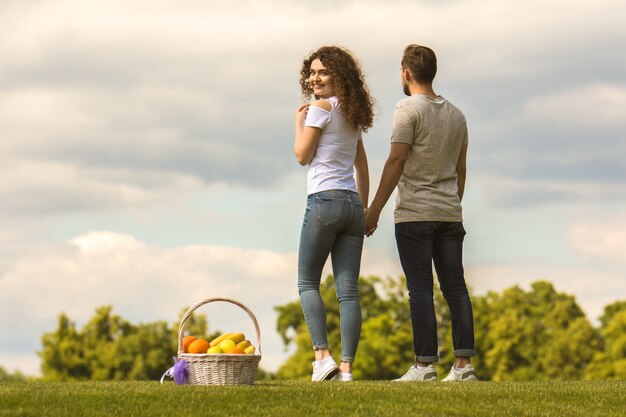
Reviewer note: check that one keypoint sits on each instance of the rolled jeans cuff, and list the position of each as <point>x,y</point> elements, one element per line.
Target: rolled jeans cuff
<point>464,353</point>
<point>427,359</point>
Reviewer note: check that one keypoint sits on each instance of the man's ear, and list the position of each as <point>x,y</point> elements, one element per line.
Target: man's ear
<point>406,74</point>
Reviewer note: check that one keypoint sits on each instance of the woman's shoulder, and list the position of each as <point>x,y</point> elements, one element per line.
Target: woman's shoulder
<point>324,104</point>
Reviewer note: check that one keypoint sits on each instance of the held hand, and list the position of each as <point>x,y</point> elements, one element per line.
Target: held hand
<point>371,221</point>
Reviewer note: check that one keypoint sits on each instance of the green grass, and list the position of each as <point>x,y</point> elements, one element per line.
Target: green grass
<point>363,398</point>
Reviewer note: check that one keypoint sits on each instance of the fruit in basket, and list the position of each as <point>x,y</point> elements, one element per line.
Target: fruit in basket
<point>214,350</point>
<point>187,340</point>
<point>249,350</point>
<point>219,339</point>
<point>236,351</point>
<point>243,344</point>
<point>199,346</point>
<point>236,337</point>
<point>227,345</point>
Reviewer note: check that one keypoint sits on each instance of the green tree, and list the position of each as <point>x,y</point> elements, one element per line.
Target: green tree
<point>520,335</point>
<point>110,348</point>
<point>386,345</point>
<point>63,354</point>
<point>99,338</point>
<point>610,361</point>
<point>535,335</point>
<point>5,376</point>
<point>611,311</point>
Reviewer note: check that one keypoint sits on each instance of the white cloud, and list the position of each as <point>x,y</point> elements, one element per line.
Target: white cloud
<point>205,89</point>
<point>513,192</point>
<point>143,283</point>
<point>105,242</point>
<point>599,107</point>
<point>43,188</point>
<point>601,238</point>
<point>26,363</point>
<point>29,112</point>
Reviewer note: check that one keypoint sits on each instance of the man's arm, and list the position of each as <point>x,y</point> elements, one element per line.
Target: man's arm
<point>389,179</point>
<point>461,170</point>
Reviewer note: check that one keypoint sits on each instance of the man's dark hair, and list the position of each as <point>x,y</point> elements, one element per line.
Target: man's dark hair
<point>422,63</point>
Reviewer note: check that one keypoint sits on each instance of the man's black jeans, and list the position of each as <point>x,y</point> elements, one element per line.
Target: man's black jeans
<point>419,245</point>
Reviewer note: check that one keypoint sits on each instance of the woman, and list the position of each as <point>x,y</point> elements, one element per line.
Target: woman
<point>328,140</point>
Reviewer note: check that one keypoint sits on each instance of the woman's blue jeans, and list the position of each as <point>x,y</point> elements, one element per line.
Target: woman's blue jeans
<point>420,244</point>
<point>333,224</point>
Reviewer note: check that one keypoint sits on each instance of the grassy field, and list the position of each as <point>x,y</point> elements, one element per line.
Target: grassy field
<point>363,398</point>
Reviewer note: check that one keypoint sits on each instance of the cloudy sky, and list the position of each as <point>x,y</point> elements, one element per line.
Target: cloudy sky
<point>146,151</point>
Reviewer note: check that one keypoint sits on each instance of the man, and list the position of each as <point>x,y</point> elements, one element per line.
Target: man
<point>427,163</point>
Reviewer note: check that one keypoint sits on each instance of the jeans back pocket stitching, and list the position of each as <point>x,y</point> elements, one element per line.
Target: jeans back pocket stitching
<point>319,204</point>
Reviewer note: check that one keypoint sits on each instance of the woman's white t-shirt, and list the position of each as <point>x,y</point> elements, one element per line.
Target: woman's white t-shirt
<point>332,166</point>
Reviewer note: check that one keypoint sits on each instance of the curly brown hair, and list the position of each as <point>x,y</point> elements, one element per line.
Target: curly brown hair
<point>348,82</point>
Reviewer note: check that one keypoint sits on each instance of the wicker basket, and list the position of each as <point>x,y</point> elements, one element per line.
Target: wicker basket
<point>223,368</point>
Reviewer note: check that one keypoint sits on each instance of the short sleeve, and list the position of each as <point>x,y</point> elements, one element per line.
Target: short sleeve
<point>403,130</point>
<point>317,117</point>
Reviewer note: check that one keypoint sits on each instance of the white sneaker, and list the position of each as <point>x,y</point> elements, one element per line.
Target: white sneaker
<point>464,374</point>
<point>324,369</point>
<point>343,377</point>
<point>415,373</point>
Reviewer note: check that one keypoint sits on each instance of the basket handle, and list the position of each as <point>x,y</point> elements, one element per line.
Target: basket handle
<point>191,309</point>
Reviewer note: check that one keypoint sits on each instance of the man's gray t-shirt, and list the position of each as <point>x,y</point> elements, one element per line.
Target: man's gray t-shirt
<point>436,131</point>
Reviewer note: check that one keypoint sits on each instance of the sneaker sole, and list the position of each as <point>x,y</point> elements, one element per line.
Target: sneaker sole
<point>430,379</point>
<point>471,378</point>
<point>414,380</point>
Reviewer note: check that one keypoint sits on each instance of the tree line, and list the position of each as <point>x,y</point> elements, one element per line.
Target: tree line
<point>539,334</point>
<point>109,347</point>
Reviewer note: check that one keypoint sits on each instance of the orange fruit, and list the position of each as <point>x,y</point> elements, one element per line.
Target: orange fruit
<point>237,351</point>
<point>187,341</point>
<point>199,346</point>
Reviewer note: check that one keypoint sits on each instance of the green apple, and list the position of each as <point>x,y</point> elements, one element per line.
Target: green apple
<point>215,349</point>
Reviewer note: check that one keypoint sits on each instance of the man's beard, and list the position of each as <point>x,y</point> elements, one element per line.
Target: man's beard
<point>405,88</point>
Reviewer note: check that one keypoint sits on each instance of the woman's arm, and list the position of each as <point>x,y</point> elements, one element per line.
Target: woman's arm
<point>362,173</point>
<point>307,136</point>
